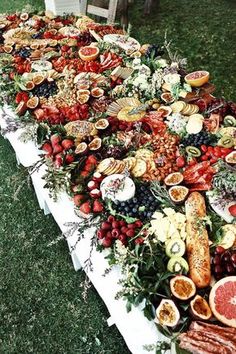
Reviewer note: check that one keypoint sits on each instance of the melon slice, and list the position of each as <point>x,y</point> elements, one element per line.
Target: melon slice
<point>223,301</point>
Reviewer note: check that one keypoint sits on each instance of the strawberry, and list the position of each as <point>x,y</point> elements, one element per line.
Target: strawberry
<point>69,158</point>
<point>180,161</point>
<point>91,160</point>
<point>57,148</point>
<point>92,185</point>
<point>47,147</point>
<point>88,167</point>
<point>95,193</point>
<point>85,208</point>
<point>67,144</point>
<point>97,206</point>
<point>78,199</point>
<point>18,97</point>
<point>97,176</point>
<point>55,139</point>
<point>232,210</point>
<point>25,96</point>
<point>58,160</point>
<point>84,174</point>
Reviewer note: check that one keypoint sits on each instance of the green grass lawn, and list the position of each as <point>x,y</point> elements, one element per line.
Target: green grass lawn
<point>41,308</point>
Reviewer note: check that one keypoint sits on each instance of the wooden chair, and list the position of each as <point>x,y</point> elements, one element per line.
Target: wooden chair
<point>109,13</point>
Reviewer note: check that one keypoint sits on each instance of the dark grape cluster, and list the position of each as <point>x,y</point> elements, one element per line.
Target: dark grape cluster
<point>117,152</point>
<point>218,105</point>
<point>46,89</point>
<point>223,263</point>
<point>232,108</point>
<point>84,38</point>
<point>202,138</point>
<point>1,37</point>
<point>154,50</point>
<point>141,206</point>
<point>24,53</point>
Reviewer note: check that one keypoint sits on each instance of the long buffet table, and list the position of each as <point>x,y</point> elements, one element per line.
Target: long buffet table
<point>136,330</point>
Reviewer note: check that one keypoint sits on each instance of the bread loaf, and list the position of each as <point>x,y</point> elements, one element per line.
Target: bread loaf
<point>197,242</point>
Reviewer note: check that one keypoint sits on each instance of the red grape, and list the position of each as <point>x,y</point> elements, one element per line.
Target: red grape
<point>216,260</point>
<point>219,250</point>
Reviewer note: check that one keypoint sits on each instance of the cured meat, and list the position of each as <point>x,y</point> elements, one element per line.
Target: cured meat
<point>197,241</point>
<point>228,333</point>
<point>204,338</point>
<point>199,344</point>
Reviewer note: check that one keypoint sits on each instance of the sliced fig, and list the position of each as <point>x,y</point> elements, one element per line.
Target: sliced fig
<point>29,85</point>
<point>95,144</point>
<point>167,313</point>
<point>178,194</point>
<point>97,92</point>
<point>200,308</point>
<point>81,149</point>
<point>231,158</point>
<point>165,111</point>
<point>24,16</point>
<point>33,102</point>
<point>182,287</point>
<point>173,179</point>
<point>101,124</point>
<point>167,97</point>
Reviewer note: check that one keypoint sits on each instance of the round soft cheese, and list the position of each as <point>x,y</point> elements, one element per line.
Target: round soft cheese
<point>117,187</point>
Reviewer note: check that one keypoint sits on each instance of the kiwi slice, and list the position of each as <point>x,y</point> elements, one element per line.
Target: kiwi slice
<point>226,141</point>
<point>229,121</point>
<point>193,151</point>
<point>176,264</point>
<point>175,247</point>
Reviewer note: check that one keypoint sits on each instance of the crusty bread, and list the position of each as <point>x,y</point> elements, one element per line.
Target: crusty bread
<point>197,242</point>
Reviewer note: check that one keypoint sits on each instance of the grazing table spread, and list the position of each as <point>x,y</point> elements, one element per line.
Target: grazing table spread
<point>135,159</point>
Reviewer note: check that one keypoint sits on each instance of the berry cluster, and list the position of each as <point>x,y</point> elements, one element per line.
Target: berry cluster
<point>142,205</point>
<point>202,138</point>
<point>46,89</point>
<point>223,263</point>
<point>113,229</point>
<point>24,53</point>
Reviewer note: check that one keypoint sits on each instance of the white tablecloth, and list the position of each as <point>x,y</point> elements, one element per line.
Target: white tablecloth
<point>136,330</point>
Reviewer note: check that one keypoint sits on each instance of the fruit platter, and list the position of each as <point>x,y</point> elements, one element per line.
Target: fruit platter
<point>147,154</point>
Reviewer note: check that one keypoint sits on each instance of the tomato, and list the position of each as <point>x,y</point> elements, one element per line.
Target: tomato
<point>210,149</point>
<point>232,210</point>
<point>192,162</point>
<point>204,148</point>
<point>225,151</point>
<point>180,161</point>
<point>213,160</point>
<point>204,157</point>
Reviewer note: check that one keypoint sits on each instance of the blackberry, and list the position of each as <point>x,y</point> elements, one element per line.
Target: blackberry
<point>141,206</point>
<point>202,138</point>
<point>24,53</point>
<point>46,89</point>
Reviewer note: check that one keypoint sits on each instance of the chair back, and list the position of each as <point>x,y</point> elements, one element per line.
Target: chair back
<point>109,14</point>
